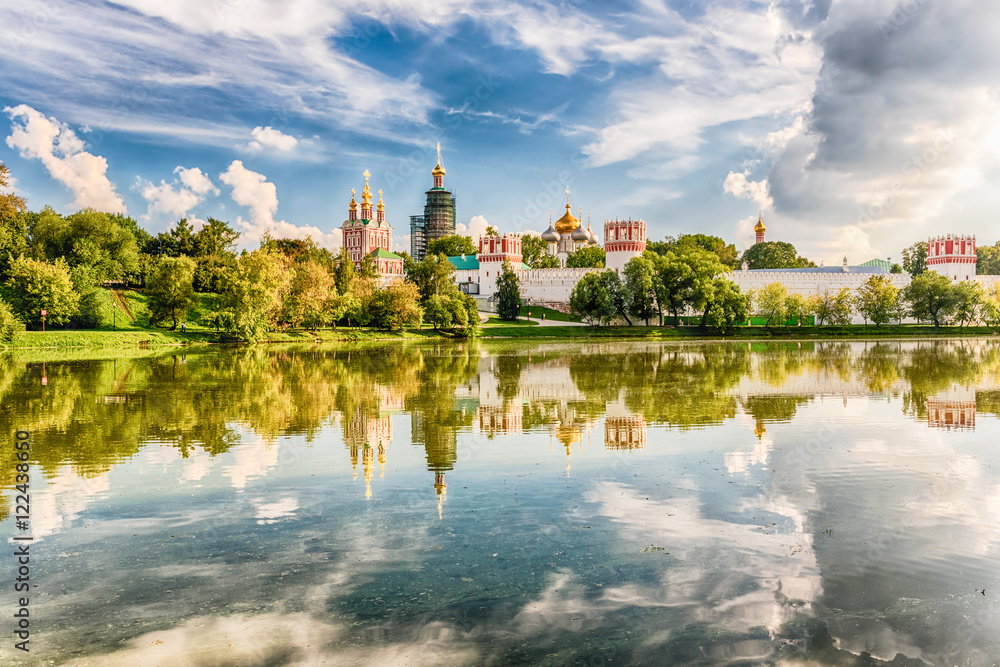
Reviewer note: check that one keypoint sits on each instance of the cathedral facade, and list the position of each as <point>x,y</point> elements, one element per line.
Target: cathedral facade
<point>368,234</point>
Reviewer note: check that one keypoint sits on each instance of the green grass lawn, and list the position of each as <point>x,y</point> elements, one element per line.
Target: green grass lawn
<point>496,321</point>
<point>554,315</point>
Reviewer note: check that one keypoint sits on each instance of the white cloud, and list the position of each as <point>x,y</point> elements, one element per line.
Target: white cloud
<point>178,198</point>
<point>738,185</point>
<point>268,137</point>
<point>476,227</point>
<point>253,191</point>
<point>62,153</point>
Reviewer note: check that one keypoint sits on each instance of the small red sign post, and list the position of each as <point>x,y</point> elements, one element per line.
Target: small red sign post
<point>44,313</point>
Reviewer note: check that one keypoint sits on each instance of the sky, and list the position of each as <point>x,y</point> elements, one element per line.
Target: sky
<point>857,127</point>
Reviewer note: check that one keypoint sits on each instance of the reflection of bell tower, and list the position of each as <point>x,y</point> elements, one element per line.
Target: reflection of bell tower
<point>624,433</point>
<point>440,489</point>
<point>500,419</point>
<point>364,435</point>
<point>951,414</point>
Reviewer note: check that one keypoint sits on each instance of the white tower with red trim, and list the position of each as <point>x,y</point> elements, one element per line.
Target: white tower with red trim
<point>493,250</point>
<point>623,240</point>
<point>953,256</point>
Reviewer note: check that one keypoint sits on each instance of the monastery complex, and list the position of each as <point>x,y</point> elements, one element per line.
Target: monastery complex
<point>366,232</point>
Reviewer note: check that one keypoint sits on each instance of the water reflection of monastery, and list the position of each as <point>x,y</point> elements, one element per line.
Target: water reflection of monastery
<point>490,395</point>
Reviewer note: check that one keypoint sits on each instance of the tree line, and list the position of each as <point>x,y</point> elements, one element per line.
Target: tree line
<point>63,265</point>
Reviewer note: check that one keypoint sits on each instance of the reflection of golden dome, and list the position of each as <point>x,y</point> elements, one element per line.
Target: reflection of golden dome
<point>568,435</point>
<point>567,223</point>
<point>759,227</point>
<point>759,430</point>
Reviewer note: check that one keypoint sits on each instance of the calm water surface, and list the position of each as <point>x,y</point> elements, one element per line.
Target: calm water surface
<point>613,503</point>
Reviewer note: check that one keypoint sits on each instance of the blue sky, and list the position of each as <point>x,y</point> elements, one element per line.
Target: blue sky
<point>858,126</point>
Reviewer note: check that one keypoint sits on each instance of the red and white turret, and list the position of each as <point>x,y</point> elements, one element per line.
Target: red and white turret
<point>493,251</point>
<point>623,240</point>
<point>953,256</point>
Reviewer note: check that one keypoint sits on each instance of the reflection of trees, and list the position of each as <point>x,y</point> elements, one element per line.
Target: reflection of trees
<point>435,416</point>
<point>879,366</point>
<point>684,386</point>
<point>773,408</point>
<point>932,368</point>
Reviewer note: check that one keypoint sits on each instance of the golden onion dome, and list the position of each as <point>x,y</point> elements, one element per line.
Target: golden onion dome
<point>759,227</point>
<point>567,223</point>
<point>438,170</point>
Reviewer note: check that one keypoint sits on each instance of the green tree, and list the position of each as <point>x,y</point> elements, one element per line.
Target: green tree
<point>774,255</point>
<point>831,307</point>
<point>729,307</point>
<point>87,238</point>
<point>931,297</point>
<point>969,298</point>
<point>988,260</point>
<point>396,306</point>
<point>213,249</point>
<point>771,303</point>
<point>795,308</point>
<point>588,257</point>
<point>10,324</point>
<point>433,275</point>
<point>877,300</point>
<point>452,246</point>
<point>344,272</point>
<point>13,224</point>
<point>915,258</point>
<point>455,312</point>
<point>312,299</point>
<point>535,252</point>
<point>508,294</point>
<point>726,252</point>
<point>617,295</point>
<point>639,287</point>
<point>989,311</point>
<point>254,293</point>
<point>170,289</point>
<point>36,285</point>
<point>590,299</point>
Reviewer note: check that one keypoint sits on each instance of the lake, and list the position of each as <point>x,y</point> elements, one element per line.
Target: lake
<point>829,503</point>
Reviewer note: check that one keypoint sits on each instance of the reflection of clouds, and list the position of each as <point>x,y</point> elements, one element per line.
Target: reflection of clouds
<point>62,499</point>
<point>757,574</point>
<point>752,453</point>
<point>271,512</point>
<point>289,639</point>
<point>250,461</point>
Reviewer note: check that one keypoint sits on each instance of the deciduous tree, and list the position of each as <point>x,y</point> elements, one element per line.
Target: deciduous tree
<point>877,300</point>
<point>170,289</point>
<point>588,257</point>
<point>774,255</point>
<point>452,245</point>
<point>508,294</point>
<point>931,297</point>
<point>639,288</point>
<point>590,299</point>
<point>36,285</point>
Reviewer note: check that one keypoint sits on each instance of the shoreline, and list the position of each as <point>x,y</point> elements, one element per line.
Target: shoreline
<point>148,339</point>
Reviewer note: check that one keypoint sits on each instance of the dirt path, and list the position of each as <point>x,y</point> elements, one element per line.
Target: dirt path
<point>120,300</point>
